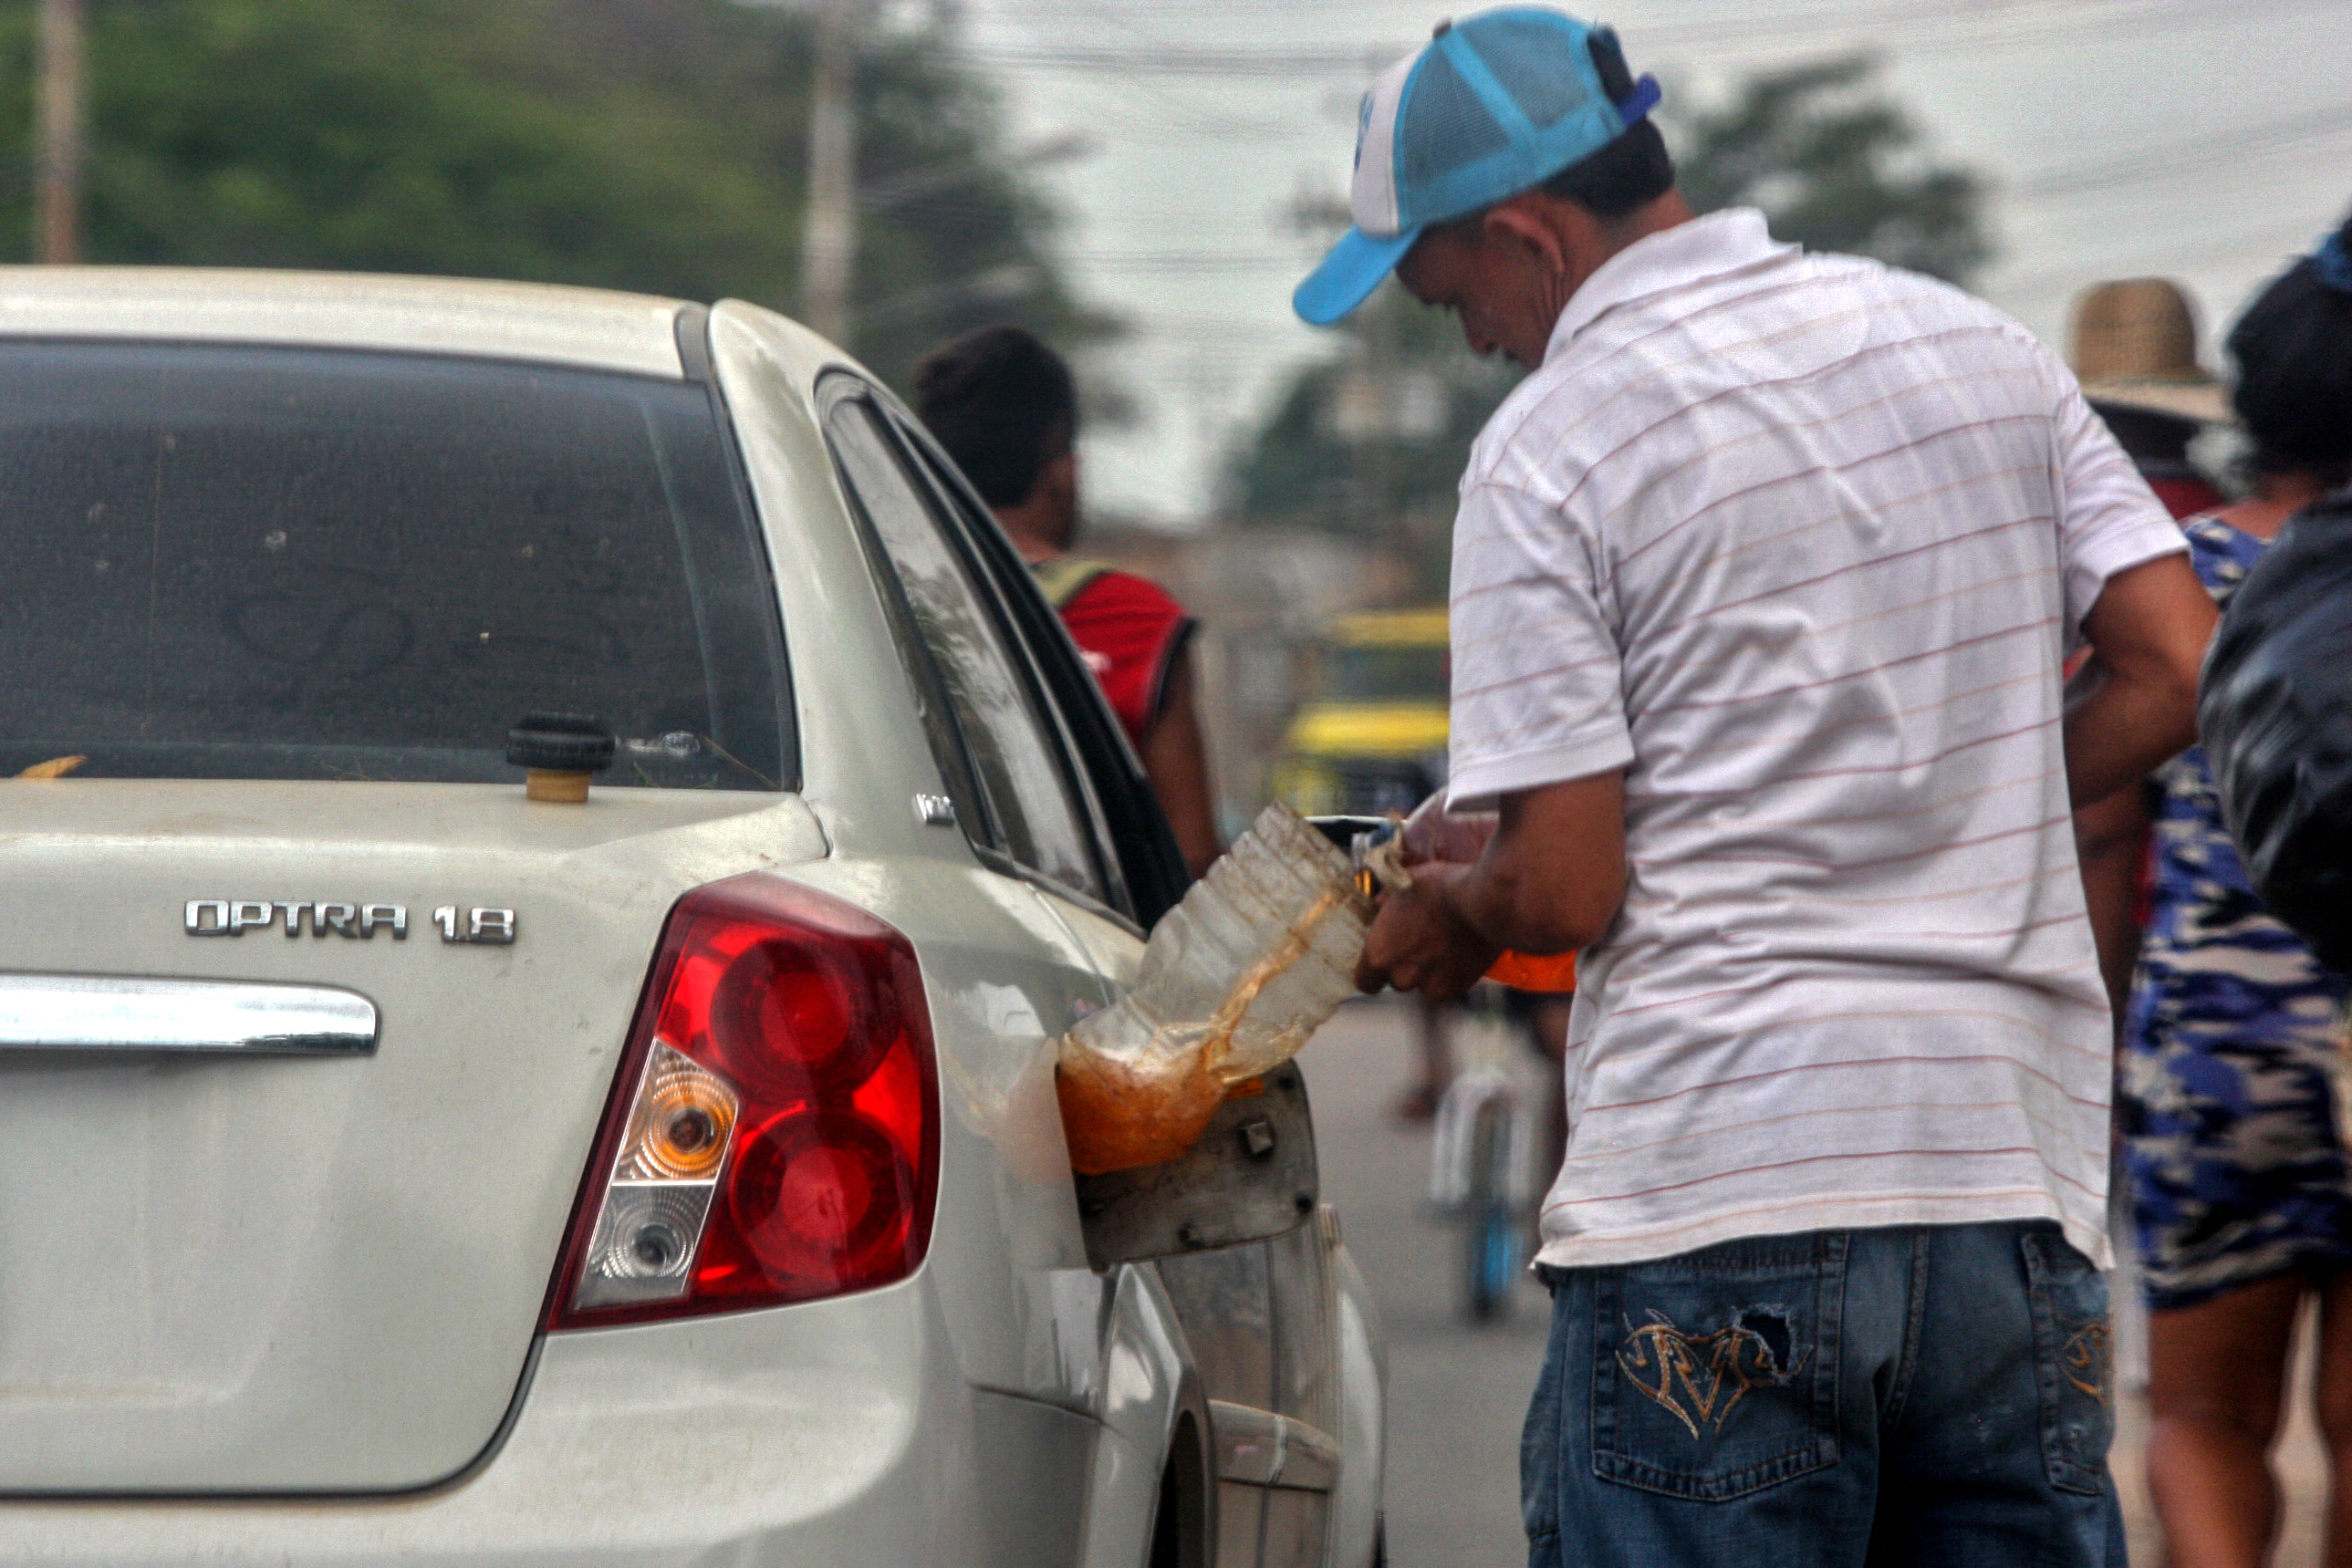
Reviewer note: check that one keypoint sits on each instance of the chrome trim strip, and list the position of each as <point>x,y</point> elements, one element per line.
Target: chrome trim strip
<point>107,1012</point>
<point>1310,1458</point>
<point>1260,1449</point>
<point>1248,1442</point>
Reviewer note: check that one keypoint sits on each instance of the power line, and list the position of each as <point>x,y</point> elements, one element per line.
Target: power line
<point>1994,24</point>
<point>1180,260</point>
<point>1180,59</point>
<point>951,174</point>
<point>2193,152</point>
<point>1179,113</point>
<point>996,286</point>
<point>2228,248</point>
<point>1140,69</point>
<point>1998,24</point>
<point>1189,113</point>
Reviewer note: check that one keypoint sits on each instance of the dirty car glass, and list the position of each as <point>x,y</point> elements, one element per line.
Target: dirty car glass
<point>1033,818</point>
<point>267,563</point>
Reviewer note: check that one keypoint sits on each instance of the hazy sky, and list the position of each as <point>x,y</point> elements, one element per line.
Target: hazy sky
<point>2203,139</point>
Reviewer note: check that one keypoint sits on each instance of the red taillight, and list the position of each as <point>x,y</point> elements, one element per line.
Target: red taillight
<point>773,1134</point>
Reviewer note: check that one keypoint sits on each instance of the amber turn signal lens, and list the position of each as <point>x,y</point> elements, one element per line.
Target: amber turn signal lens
<point>685,1115</point>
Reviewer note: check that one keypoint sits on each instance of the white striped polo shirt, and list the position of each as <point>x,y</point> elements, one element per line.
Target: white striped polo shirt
<point>1801,542</point>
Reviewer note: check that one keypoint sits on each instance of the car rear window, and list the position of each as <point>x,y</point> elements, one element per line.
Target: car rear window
<point>270,563</point>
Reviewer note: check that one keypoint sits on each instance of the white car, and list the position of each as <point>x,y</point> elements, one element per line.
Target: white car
<point>395,1166</point>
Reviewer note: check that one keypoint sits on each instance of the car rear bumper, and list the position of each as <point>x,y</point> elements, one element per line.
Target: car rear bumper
<point>835,1432</point>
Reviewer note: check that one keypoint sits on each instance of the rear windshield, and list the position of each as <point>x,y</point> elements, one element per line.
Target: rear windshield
<point>266,563</point>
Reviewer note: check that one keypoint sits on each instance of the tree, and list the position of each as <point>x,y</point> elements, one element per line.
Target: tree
<point>1833,167</point>
<point>1371,441</point>
<point>646,144</point>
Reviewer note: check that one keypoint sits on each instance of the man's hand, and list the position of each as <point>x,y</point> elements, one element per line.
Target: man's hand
<point>1419,941</point>
<point>1550,880</point>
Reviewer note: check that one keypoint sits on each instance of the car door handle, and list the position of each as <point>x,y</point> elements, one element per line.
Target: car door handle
<point>110,1012</point>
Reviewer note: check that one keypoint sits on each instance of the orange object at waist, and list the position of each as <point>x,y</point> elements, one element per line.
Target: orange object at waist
<point>1527,972</point>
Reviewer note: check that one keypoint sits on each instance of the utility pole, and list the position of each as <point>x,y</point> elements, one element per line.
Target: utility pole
<point>57,133</point>
<point>829,229</point>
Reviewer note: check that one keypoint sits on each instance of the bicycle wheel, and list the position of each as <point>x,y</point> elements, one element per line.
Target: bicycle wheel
<point>1491,1232</point>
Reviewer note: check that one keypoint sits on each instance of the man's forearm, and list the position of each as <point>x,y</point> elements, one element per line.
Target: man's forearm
<point>2149,630</point>
<point>2111,842</point>
<point>2125,731</point>
<point>1490,900</point>
<point>1552,876</point>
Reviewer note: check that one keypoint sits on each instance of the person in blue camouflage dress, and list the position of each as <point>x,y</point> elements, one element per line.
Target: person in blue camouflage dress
<point>2241,1191</point>
<point>2237,1170</point>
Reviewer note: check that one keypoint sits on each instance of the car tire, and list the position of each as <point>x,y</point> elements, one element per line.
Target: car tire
<point>1180,1523</point>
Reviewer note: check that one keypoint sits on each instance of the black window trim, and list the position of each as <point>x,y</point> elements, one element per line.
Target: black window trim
<point>974,815</point>
<point>692,330</point>
<point>968,536</point>
<point>839,386</point>
<point>1135,832</point>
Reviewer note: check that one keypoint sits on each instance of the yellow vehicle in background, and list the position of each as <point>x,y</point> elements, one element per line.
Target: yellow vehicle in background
<point>1371,738</point>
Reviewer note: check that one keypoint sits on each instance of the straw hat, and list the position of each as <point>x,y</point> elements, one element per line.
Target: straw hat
<point>2133,344</point>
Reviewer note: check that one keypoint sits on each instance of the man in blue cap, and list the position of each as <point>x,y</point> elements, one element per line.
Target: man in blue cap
<point>1762,584</point>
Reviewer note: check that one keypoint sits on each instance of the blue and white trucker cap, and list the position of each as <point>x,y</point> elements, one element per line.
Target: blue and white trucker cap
<point>1493,105</point>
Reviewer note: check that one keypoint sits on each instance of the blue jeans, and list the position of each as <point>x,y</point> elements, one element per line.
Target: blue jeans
<point>1936,1395</point>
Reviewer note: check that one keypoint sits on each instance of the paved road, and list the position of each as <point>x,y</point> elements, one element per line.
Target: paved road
<point>1456,1391</point>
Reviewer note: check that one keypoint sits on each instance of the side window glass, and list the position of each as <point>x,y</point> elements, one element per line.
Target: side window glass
<point>1048,667</point>
<point>1014,768</point>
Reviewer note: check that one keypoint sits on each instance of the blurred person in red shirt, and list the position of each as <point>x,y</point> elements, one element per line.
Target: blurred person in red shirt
<point>1005,407</point>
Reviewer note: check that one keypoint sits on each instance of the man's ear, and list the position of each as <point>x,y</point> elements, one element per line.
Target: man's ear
<point>1059,477</point>
<point>1519,224</point>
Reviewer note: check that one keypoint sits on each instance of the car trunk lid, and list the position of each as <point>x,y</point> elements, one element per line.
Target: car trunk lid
<point>248,1272</point>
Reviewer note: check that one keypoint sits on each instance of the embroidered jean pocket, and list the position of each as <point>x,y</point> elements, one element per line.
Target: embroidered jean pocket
<point>2074,1361</point>
<point>1714,1374</point>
